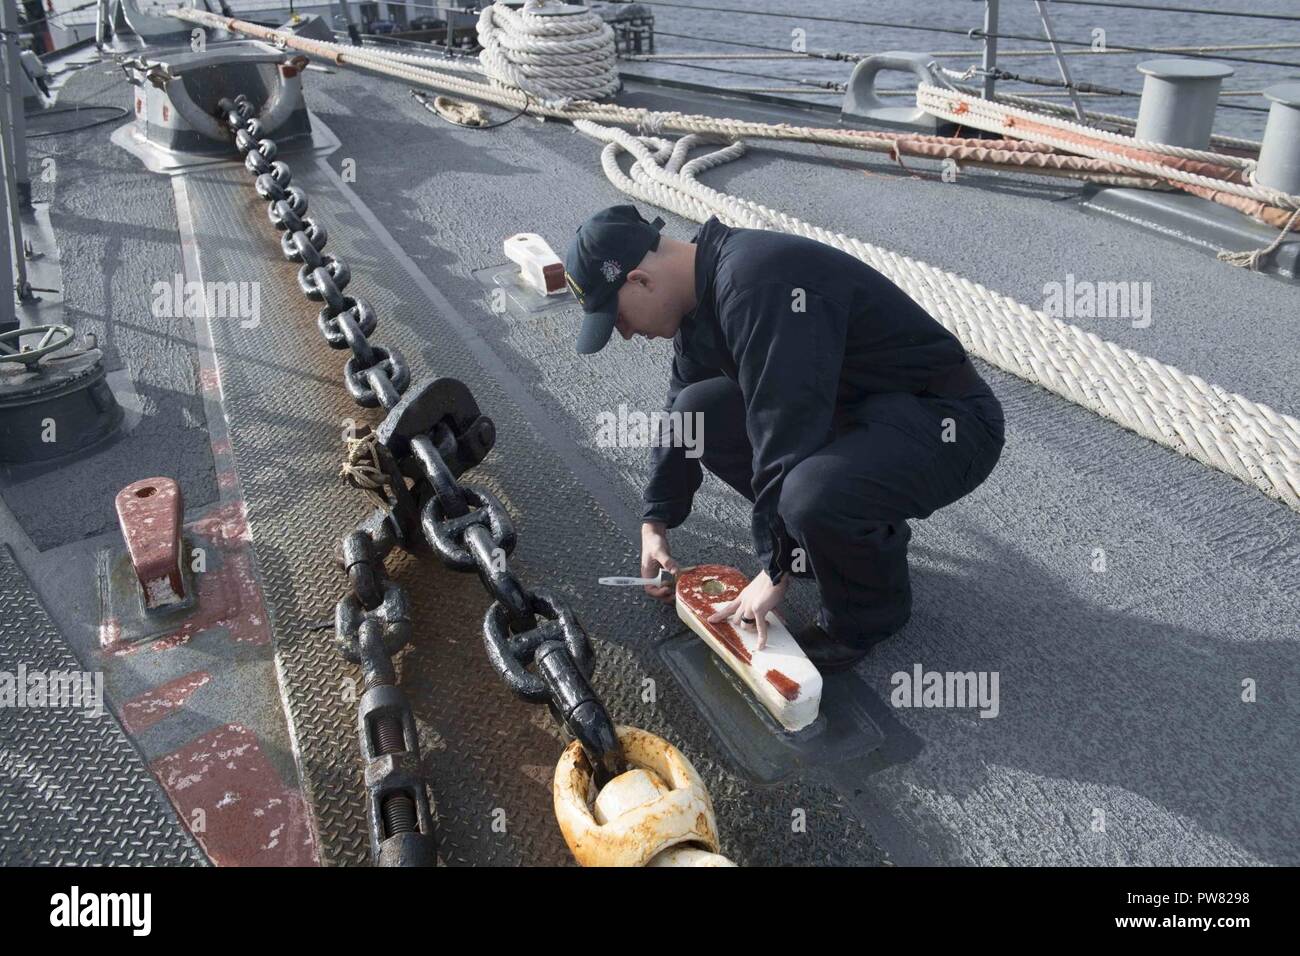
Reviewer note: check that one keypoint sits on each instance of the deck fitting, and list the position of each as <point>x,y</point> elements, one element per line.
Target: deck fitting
<point>149,512</point>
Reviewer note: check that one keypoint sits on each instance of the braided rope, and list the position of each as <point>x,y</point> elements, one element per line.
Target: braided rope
<point>1001,118</point>
<point>1117,119</point>
<point>363,468</point>
<point>1252,259</point>
<point>556,56</point>
<point>1226,431</point>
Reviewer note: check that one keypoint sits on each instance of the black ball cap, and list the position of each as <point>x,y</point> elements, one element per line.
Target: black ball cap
<point>606,248</point>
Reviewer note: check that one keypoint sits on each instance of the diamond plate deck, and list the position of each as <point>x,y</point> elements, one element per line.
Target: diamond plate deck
<point>73,789</point>
<point>489,757</point>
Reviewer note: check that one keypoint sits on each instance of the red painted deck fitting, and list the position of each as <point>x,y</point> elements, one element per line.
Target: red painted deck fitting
<point>228,595</point>
<point>234,802</point>
<point>149,512</point>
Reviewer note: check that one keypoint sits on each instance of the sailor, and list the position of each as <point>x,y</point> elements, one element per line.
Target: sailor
<point>829,399</point>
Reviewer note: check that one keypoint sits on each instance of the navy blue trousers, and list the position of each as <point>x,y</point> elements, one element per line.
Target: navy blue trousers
<point>893,457</point>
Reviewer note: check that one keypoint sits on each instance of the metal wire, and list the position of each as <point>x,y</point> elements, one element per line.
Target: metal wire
<point>825,85</point>
<point>1197,10</point>
<point>975,33</point>
<point>847,57</point>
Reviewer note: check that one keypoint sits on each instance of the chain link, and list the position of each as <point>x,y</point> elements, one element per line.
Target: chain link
<point>430,435</point>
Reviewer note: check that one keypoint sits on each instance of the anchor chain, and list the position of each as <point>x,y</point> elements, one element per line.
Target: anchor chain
<point>372,622</point>
<point>430,435</point>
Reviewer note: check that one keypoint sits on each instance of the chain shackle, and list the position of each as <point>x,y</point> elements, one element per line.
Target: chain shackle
<point>365,573</point>
<point>392,614</point>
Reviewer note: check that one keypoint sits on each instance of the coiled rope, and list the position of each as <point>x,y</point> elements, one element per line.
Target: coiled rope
<point>556,51</point>
<point>1226,431</point>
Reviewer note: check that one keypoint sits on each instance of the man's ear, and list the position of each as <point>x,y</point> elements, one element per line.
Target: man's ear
<point>639,276</point>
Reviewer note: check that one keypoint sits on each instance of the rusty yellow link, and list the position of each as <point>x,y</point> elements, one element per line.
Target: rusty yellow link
<point>658,813</point>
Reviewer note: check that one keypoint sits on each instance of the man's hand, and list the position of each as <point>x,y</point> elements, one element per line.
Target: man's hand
<point>655,555</point>
<point>750,609</point>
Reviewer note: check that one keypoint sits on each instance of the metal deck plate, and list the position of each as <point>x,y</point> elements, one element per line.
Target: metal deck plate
<point>73,789</point>
<point>762,749</point>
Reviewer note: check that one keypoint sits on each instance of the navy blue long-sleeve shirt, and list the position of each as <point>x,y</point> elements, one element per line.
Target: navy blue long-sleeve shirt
<point>806,331</point>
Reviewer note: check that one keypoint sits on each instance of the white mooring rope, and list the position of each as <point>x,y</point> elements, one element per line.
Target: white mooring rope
<point>1218,428</point>
<point>555,51</point>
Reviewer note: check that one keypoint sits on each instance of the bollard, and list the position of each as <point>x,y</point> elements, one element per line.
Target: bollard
<point>862,103</point>
<point>1279,158</point>
<point>149,513</point>
<point>1179,97</point>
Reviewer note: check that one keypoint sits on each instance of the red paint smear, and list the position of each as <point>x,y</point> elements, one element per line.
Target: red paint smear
<point>141,713</point>
<point>229,596</point>
<point>249,818</point>
<point>690,587</point>
<point>788,688</point>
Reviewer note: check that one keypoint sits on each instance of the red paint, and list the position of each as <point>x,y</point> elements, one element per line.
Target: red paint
<point>141,713</point>
<point>786,687</point>
<point>233,801</point>
<point>690,587</point>
<point>554,276</point>
<point>228,594</point>
<point>149,512</point>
